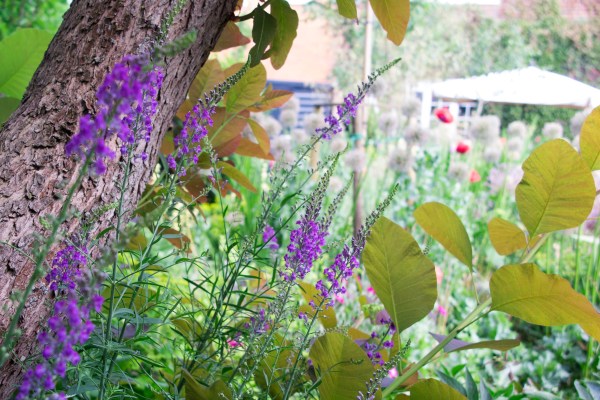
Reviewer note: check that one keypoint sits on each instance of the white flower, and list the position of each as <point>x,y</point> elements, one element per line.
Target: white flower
<point>234,218</point>
<point>485,129</point>
<point>299,137</point>
<point>516,129</point>
<point>514,147</point>
<point>272,126</point>
<point>400,159</point>
<point>577,121</point>
<point>552,130</point>
<point>355,159</point>
<point>281,145</point>
<point>492,154</point>
<point>388,122</point>
<point>336,184</point>
<point>312,122</point>
<point>459,171</point>
<point>338,144</point>
<point>292,104</point>
<point>288,118</point>
<point>415,134</point>
<point>411,107</point>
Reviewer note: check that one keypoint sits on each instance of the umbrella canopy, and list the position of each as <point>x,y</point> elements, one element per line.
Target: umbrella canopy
<point>521,86</point>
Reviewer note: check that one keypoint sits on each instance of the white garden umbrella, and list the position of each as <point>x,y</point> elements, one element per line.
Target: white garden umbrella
<point>521,86</point>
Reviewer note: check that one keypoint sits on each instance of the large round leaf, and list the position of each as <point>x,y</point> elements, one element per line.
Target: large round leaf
<point>439,221</point>
<point>431,389</point>
<point>286,32</point>
<point>590,139</point>
<point>402,276</point>
<point>526,292</point>
<point>557,191</point>
<point>20,55</point>
<point>247,90</point>
<point>343,366</point>
<point>393,16</point>
<point>506,237</point>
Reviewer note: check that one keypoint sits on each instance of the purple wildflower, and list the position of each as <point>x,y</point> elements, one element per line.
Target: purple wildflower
<point>68,327</point>
<point>305,248</point>
<point>66,268</point>
<point>259,323</point>
<point>269,238</point>
<point>187,142</point>
<point>126,103</point>
<point>336,274</point>
<point>335,123</point>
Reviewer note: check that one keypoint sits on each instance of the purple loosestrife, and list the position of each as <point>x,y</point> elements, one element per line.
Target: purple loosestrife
<point>127,102</point>
<point>269,238</point>
<point>335,123</point>
<point>306,246</point>
<point>187,142</point>
<point>68,327</point>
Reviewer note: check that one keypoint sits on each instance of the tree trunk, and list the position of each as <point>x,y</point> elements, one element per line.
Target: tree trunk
<point>33,168</point>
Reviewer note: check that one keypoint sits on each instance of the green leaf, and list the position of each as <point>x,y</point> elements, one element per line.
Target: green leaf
<point>431,389</point>
<point>590,140</point>
<point>263,33</point>
<point>402,276</point>
<point>271,373</point>
<point>210,75</point>
<point>522,290</point>
<point>441,223</point>
<point>236,175</point>
<point>347,9</point>
<point>506,237</point>
<point>393,16</point>
<point>287,29</point>
<point>343,366</point>
<point>460,345</point>
<point>8,105</point>
<point>247,90</point>
<point>20,55</point>
<point>557,190</point>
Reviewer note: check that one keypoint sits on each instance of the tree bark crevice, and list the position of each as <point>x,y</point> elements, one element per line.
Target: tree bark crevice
<point>34,172</point>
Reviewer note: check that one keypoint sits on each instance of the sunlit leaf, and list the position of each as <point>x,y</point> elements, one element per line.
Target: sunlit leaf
<point>342,365</point>
<point>557,191</point>
<point>506,237</point>
<point>526,292</point>
<point>236,175</point>
<point>460,345</point>
<point>589,140</point>
<point>226,132</point>
<point>247,90</point>
<point>261,135</point>
<point>250,149</point>
<point>310,293</point>
<point>20,55</point>
<point>196,391</point>
<point>347,8</point>
<point>393,16</point>
<point>402,276</point>
<point>231,37</point>
<point>210,75</point>
<point>263,33</point>
<point>271,99</point>
<point>175,237</point>
<point>441,223</point>
<point>287,27</point>
<point>432,389</point>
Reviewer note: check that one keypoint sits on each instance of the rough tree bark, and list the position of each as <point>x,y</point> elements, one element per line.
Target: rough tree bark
<point>33,169</point>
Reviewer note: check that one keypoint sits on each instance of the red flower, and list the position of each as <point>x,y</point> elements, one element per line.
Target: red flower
<point>475,177</point>
<point>462,148</point>
<point>444,115</point>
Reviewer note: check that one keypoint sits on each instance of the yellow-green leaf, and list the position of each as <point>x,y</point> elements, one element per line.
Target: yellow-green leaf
<point>237,175</point>
<point>263,32</point>
<point>557,190</point>
<point>590,139</point>
<point>347,8</point>
<point>271,373</point>
<point>20,55</point>
<point>343,366</point>
<point>526,292</point>
<point>506,237</point>
<point>271,99</point>
<point>8,105</point>
<point>287,27</point>
<point>393,16</point>
<point>431,389</point>
<point>310,293</point>
<point>196,391</point>
<point>210,75</point>
<point>261,135</point>
<point>250,149</point>
<point>247,90</point>
<point>441,223</point>
<point>402,276</point>
<point>460,345</point>
<point>231,37</point>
